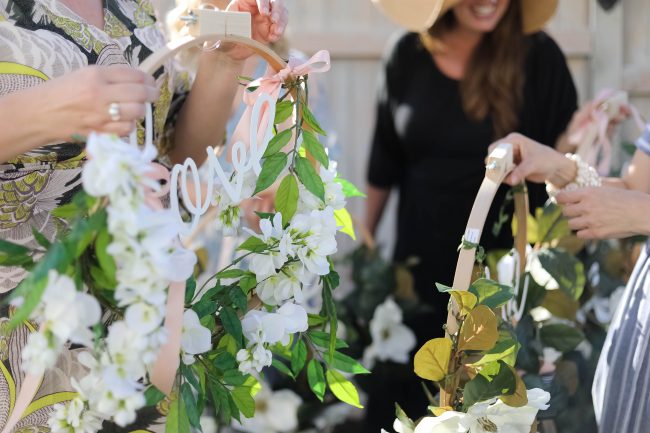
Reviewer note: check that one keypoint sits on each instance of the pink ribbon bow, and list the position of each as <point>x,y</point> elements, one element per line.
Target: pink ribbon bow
<point>271,84</point>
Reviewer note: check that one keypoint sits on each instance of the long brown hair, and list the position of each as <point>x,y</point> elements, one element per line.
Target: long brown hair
<point>494,77</point>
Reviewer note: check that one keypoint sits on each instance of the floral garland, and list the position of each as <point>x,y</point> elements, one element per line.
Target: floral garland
<point>105,284</point>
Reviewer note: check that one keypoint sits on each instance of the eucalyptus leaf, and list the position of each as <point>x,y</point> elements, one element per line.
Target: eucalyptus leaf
<point>501,381</point>
<point>491,293</point>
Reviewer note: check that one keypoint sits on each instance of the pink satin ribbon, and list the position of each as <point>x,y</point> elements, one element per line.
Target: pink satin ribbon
<point>599,119</point>
<point>271,84</point>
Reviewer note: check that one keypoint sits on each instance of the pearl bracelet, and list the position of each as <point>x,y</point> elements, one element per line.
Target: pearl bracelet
<point>586,176</point>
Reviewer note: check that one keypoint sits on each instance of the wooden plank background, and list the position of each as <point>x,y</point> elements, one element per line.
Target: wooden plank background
<point>604,50</point>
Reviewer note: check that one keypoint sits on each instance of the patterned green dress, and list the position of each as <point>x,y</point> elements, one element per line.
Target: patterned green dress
<point>41,40</point>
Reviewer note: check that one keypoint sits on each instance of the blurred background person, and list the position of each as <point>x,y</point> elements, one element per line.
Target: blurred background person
<point>470,71</point>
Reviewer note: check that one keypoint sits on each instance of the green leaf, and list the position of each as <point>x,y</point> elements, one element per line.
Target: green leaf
<point>342,388</point>
<point>190,289</point>
<point>349,189</point>
<point>231,324</point>
<point>283,110</point>
<point>153,396</point>
<point>106,261</point>
<point>238,298</point>
<point>253,244</point>
<point>177,419</point>
<point>247,282</point>
<point>230,273</point>
<point>330,310</point>
<point>347,364</point>
<point>31,288</point>
<point>315,148</point>
<point>565,269</point>
<point>225,361</point>
<point>190,405</point>
<point>286,199</point>
<point>322,339</point>
<point>233,377</point>
<point>244,400</point>
<point>205,307</point>
<point>551,225</point>
<point>316,378</point>
<point>13,254</point>
<point>310,120</point>
<point>282,367</point>
<point>298,357</point>
<point>504,350</point>
<point>490,293</point>
<point>41,239</point>
<point>442,288</point>
<point>190,377</point>
<point>228,343</point>
<point>344,222</point>
<point>494,380</point>
<point>309,177</point>
<point>561,337</point>
<point>278,142</point>
<point>315,320</point>
<point>273,166</point>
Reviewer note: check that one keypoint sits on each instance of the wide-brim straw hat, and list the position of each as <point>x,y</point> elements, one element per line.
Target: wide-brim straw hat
<point>420,15</point>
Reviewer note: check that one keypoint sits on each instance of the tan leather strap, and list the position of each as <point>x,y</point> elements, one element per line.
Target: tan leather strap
<point>500,163</point>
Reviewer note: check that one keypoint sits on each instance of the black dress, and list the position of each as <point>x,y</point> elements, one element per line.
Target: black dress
<point>426,146</point>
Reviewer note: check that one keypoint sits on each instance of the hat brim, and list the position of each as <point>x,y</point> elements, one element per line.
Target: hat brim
<point>419,15</point>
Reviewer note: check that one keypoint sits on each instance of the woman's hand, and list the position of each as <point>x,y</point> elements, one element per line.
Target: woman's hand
<point>269,19</point>
<point>78,103</point>
<point>537,163</point>
<point>604,213</point>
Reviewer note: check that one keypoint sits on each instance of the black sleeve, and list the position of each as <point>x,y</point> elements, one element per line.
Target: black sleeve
<point>386,163</point>
<point>557,91</point>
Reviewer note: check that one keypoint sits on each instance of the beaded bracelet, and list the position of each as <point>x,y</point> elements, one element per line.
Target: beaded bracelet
<point>586,176</point>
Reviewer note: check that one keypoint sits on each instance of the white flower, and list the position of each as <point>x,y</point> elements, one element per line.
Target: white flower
<point>143,317</point>
<point>40,353</point>
<point>66,312</point>
<point>263,327</point>
<point>506,270</point>
<point>265,265</point>
<point>277,412</point>
<point>283,286</point>
<point>334,196</point>
<point>195,338</point>
<point>113,166</point>
<point>448,422</point>
<point>295,320</point>
<point>316,234</point>
<point>484,417</point>
<point>74,418</point>
<point>229,220</point>
<point>254,359</point>
<point>391,340</point>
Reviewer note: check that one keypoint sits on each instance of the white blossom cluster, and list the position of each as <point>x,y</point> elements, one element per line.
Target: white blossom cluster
<point>391,339</point>
<point>148,257</point>
<point>484,417</point>
<point>295,256</point>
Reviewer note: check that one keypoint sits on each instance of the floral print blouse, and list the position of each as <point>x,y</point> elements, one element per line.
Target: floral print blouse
<point>41,40</point>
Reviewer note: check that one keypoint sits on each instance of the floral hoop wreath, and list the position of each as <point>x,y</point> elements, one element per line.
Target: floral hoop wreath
<point>473,365</point>
<point>120,281</point>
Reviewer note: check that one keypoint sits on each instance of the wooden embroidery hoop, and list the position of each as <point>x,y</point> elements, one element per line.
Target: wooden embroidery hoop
<point>204,25</point>
<point>500,163</point>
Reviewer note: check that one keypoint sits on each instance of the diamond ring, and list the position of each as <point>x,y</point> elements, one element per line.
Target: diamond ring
<point>114,112</point>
